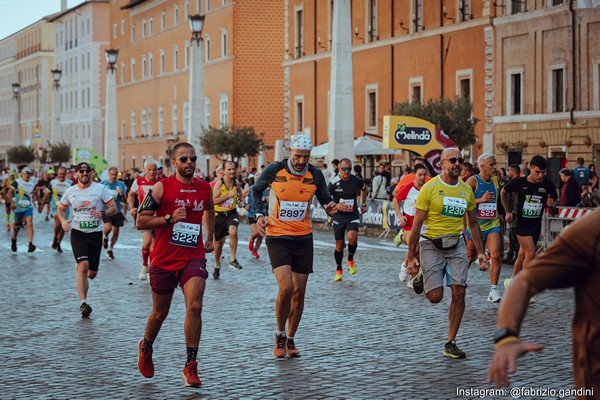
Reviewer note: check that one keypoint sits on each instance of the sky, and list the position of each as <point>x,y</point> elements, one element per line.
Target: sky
<point>18,14</point>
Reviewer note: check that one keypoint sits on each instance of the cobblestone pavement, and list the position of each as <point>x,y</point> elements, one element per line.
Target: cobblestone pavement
<point>365,337</point>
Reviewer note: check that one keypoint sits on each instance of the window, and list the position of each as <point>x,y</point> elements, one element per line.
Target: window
<point>371,108</point>
<point>330,22</point>
<point>516,6</point>
<point>144,28</point>
<point>114,31</point>
<point>372,14</point>
<point>133,69</point>
<point>174,119</point>
<point>299,33</point>
<point>163,21</point>
<point>175,58</point>
<point>150,132</point>
<point>161,121</point>
<point>162,61</point>
<point>552,3</point>
<point>463,83</point>
<point>187,10</point>
<point>133,33</point>
<point>415,90</point>
<point>122,129</point>
<point>464,6</point>
<point>175,15</point>
<point>150,26</point>
<point>122,27</point>
<point>418,15</point>
<point>224,110</point>
<point>207,48</point>
<point>198,6</point>
<point>133,124</point>
<point>122,72</point>
<point>224,43</point>
<point>299,117</point>
<point>150,65</point>
<point>514,91</point>
<point>596,84</point>
<point>186,116</point>
<point>207,113</point>
<point>144,64</point>
<point>207,5</point>
<point>557,92</point>
<point>186,55</point>
<point>144,123</point>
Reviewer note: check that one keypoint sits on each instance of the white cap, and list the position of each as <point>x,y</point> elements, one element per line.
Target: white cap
<point>301,142</point>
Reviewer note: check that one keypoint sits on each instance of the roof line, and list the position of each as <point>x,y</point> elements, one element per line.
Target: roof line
<point>132,4</point>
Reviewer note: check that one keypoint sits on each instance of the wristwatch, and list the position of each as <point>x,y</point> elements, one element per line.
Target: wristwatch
<point>169,219</point>
<point>504,333</point>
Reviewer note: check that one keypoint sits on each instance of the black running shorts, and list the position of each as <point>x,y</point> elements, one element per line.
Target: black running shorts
<point>295,252</point>
<point>87,246</point>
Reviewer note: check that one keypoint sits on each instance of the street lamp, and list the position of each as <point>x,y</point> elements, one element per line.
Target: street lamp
<point>16,88</point>
<point>196,93</point>
<point>111,142</point>
<point>111,58</point>
<point>16,111</point>
<point>56,75</point>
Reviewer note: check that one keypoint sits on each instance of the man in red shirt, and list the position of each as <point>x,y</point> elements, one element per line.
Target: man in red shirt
<point>176,207</point>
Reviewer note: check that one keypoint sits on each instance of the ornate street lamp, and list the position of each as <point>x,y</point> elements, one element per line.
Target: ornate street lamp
<point>196,92</point>
<point>111,58</point>
<point>16,88</point>
<point>197,24</point>
<point>56,75</point>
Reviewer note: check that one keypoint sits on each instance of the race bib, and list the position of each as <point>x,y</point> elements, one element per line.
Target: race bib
<point>88,224</point>
<point>227,204</point>
<point>454,207</point>
<point>349,203</point>
<point>24,203</point>
<point>185,234</point>
<point>532,210</point>
<point>487,211</point>
<point>292,210</point>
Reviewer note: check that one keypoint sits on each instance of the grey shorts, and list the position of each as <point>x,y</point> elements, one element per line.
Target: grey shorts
<point>433,262</point>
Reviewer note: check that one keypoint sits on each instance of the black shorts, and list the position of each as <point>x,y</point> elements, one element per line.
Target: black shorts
<point>223,220</point>
<point>343,223</point>
<point>115,220</point>
<point>295,252</point>
<point>87,246</point>
<point>529,228</point>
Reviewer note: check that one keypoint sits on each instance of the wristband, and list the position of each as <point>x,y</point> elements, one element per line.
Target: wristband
<point>508,339</point>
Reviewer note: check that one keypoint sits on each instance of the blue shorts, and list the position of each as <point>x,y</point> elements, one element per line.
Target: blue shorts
<point>21,214</point>
<point>484,234</point>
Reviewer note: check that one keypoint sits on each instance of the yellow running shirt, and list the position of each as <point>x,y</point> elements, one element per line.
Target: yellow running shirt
<point>445,205</point>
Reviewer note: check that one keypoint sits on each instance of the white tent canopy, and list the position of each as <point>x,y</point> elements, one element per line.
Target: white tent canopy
<point>363,146</point>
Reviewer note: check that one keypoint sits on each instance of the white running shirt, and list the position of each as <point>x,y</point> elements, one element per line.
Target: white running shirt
<point>82,202</point>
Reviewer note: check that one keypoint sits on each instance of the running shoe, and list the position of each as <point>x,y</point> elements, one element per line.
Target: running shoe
<point>403,276</point>
<point>110,255</point>
<point>190,375</point>
<point>31,248</point>
<point>507,283</point>
<point>338,275</point>
<point>292,351</point>
<point>251,245</point>
<point>417,282</point>
<point>13,245</point>
<point>279,351</point>
<point>217,272</point>
<point>105,242</point>
<point>59,249</point>
<point>451,350</point>
<point>351,267</point>
<point>532,300</point>
<point>55,243</point>
<point>235,264</point>
<point>145,364</point>
<point>7,227</point>
<point>398,238</point>
<point>143,272</point>
<point>255,254</point>
<point>494,297</point>
<point>85,310</point>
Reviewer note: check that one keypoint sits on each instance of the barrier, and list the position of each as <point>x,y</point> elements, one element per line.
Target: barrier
<point>552,225</point>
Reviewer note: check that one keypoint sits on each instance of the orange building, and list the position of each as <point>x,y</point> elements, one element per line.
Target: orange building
<point>243,78</point>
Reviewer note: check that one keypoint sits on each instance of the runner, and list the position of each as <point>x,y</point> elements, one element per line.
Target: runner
<point>24,195</point>
<point>114,222</point>
<point>176,207</point>
<point>226,195</point>
<point>255,238</point>
<point>406,214</point>
<point>485,188</point>
<point>138,191</point>
<point>441,207</point>
<point>7,184</point>
<point>345,188</point>
<point>287,226</point>
<point>88,200</point>
<point>54,192</point>
<point>533,194</point>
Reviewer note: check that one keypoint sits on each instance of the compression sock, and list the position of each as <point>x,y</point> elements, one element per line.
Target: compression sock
<point>339,256</point>
<point>351,251</point>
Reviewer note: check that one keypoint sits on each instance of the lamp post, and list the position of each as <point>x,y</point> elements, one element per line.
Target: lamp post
<point>56,135</point>
<point>196,94</point>
<point>111,144</point>
<point>16,109</point>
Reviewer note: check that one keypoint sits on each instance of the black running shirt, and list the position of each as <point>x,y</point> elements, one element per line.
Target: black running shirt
<point>531,198</point>
<point>346,192</point>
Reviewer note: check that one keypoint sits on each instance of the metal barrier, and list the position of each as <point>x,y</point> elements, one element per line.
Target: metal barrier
<point>552,225</point>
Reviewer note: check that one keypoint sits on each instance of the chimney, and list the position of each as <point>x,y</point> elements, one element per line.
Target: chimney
<point>63,5</point>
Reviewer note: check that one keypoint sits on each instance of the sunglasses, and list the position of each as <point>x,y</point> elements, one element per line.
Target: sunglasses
<point>184,159</point>
<point>27,173</point>
<point>346,169</point>
<point>453,160</point>
<point>84,171</point>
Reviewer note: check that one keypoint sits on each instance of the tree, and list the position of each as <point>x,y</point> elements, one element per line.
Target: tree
<point>454,117</point>
<point>60,153</point>
<point>231,141</point>
<point>20,155</point>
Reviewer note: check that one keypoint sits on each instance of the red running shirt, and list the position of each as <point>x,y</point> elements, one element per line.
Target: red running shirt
<point>181,242</point>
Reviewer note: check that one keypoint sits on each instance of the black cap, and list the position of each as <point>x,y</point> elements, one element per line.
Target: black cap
<point>81,165</point>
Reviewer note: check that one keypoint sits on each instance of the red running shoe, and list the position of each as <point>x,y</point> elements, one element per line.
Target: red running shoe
<point>251,245</point>
<point>145,364</point>
<point>255,254</point>
<point>190,375</point>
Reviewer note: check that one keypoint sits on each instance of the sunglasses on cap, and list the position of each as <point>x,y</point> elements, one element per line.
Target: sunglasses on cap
<point>184,159</point>
<point>453,160</point>
<point>84,171</point>
<point>346,169</point>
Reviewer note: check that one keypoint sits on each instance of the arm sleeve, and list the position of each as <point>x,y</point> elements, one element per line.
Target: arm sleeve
<point>264,180</point>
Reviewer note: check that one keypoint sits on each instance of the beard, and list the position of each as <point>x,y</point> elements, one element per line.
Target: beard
<point>186,172</point>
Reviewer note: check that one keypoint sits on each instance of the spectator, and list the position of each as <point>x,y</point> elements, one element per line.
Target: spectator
<point>589,197</point>
<point>358,171</point>
<point>326,173</point>
<point>467,171</point>
<point>593,176</point>
<point>569,192</point>
<point>379,185</point>
<point>581,173</point>
<point>335,164</point>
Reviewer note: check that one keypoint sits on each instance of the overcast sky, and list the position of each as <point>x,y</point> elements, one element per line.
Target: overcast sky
<point>18,14</point>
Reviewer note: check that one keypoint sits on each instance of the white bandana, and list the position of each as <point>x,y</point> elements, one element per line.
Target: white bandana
<point>301,142</point>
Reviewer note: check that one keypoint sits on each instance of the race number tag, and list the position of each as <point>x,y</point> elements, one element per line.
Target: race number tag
<point>88,224</point>
<point>454,207</point>
<point>292,210</point>
<point>227,204</point>
<point>348,203</point>
<point>487,211</point>
<point>185,234</point>
<point>24,203</point>
<point>532,210</point>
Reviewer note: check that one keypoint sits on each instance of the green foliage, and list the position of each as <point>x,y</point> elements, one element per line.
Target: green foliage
<point>454,117</point>
<point>60,153</point>
<point>231,142</point>
<point>20,155</point>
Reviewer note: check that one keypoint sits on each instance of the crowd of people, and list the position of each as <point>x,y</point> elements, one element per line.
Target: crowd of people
<point>460,217</point>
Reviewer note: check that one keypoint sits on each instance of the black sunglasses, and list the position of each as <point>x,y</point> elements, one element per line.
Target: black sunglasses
<point>184,159</point>
<point>346,169</point>
<point>84,171</point>
<point>453,160</point>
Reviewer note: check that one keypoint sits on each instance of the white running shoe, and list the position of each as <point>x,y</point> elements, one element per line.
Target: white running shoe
<point>142,276</point>
<point>532,300</point>
<point>507,282</point>
<point>403,273</point>
<point>494,297</point>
